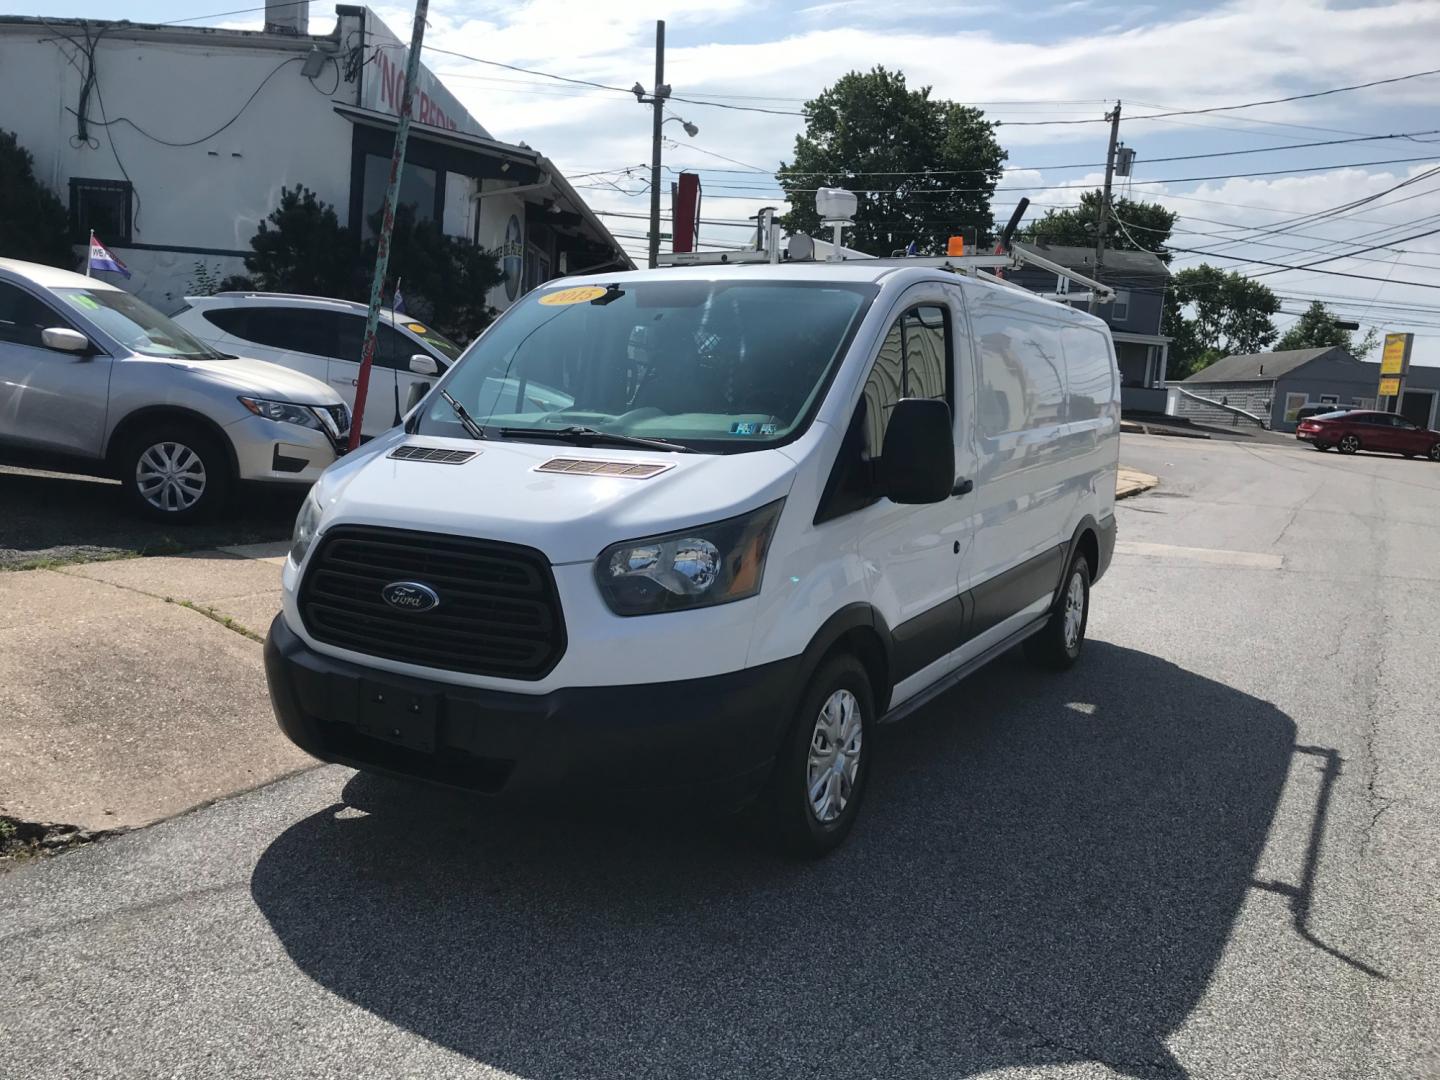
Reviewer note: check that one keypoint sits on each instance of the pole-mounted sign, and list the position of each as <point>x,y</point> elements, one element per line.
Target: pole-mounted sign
<point>1394,364</point>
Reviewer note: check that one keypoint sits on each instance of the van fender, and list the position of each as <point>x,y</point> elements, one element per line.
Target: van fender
<point>857,628</point>
<point>1085,540</point>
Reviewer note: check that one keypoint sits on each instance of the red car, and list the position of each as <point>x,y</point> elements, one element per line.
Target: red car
<point>1363,430</point>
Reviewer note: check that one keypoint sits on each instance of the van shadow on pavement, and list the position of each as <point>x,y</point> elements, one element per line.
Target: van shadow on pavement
<point>1047,871</point>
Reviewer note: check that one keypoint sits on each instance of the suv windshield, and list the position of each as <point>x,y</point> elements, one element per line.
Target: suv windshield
<point>713,365</point>
<point>432,337</point>
<point>136,325</point>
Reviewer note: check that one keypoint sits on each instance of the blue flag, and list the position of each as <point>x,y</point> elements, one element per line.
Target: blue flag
<point>398,304</point>
<point>101,259</point>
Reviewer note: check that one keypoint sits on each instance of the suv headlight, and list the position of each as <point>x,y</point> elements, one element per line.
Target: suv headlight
<point>713,564</point>
<point>306,523</point>
<point>283,412</point>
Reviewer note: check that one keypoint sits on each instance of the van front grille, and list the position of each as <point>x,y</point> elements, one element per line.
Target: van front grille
<point>497,613</point>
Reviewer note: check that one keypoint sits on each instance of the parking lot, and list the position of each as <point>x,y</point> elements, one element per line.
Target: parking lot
<point>52,518</point>
<point>1207,851</point>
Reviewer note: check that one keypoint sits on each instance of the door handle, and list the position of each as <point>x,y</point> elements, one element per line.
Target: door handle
<point>962,487</point>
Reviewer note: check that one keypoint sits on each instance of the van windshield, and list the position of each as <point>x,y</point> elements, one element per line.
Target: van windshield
<point>716,366</point>
<point>136,325</point>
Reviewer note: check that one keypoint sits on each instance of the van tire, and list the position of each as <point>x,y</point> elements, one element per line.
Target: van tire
<point>790,816</point>
<point>200,457</point>
<point>1058,645</point>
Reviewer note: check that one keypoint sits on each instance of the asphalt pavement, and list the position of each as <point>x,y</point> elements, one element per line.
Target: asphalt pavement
<point>1210,850</point>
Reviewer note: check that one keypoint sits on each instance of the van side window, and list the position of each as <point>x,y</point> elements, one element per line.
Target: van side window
<point>913,361</point>
<point>1022,373</point>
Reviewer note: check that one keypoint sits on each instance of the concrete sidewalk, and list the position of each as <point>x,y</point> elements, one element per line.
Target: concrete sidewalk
<point>1132,482</point>
<point>133,690</point>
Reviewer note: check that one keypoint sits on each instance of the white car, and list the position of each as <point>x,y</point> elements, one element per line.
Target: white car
<point>783,503</point>
<point>94,380</point>
<point>323,338</point>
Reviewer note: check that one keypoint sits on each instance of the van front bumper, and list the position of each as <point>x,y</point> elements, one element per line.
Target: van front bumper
<point>710,739</point>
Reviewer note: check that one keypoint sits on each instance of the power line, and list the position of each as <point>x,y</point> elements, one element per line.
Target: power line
<point>1287,266</point>
<point>1231,108</point>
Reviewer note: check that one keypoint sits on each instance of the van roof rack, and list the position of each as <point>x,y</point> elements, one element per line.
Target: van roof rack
<point>801,248</point>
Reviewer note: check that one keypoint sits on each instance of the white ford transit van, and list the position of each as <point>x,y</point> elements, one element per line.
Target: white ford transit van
<point>699,530</point>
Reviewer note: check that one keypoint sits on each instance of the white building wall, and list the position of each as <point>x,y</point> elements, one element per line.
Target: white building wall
<point>210,195</point>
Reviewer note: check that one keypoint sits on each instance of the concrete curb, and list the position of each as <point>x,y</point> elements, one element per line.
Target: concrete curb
<point>1133,482</point>
<point>1135,428</point>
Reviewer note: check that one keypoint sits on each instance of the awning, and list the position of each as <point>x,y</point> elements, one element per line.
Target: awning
<point>494,148</point>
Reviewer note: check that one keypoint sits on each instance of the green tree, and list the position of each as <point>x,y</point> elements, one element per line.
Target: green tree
<point>930,165</point>
<point>302,248</point>
<point>446,280</point>
<point>1135,226</point>
<point>1317,328</point>
<point>33,222</point>
<point>1217,313</point>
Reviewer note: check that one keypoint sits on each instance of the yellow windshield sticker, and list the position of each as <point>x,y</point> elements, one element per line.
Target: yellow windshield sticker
<point>417,328</point>
<point>580,294</point>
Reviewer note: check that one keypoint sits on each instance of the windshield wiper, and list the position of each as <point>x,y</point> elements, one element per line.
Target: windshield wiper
<point>474,430</point>
<point>588,436</point>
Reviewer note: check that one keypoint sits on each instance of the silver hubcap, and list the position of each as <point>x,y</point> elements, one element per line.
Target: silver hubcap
<point>170,476</point>
<point>834,756</point>
<point>1074,611</point>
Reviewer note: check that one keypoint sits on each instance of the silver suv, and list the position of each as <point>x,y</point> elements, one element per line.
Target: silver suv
<point>94,380</point>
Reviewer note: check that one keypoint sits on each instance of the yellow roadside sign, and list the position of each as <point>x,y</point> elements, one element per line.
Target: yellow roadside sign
<point>1397,351</point>
<point>1390,386</point>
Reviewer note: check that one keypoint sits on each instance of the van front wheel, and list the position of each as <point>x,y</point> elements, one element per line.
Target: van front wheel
<point>819,780</point>
<point>1058,645</point>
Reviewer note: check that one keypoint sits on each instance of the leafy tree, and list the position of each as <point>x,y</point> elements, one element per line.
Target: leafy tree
<point>446,280</point>
<point>1231,315</point>
<point>1146,226</point>
<point>937,161</point>
<point>1317,328</point>
<point>302,248</point>
<point>33,223</point>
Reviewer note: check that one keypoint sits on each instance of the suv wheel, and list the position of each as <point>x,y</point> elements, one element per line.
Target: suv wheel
<point>814,794</point>
<point>175,472</point>
<point>1058,645</point>
<point>1434,454</point>
<point>1349,444</point>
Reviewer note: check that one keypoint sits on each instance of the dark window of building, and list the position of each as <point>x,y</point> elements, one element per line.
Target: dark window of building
<point>101,206</point>
<point>419,190</point>
<point>1121,309</point>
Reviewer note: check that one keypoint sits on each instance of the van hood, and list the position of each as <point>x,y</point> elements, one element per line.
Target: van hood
<point>571,517</point>
<point>260,378</point>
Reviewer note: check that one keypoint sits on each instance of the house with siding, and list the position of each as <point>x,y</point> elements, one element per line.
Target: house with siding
<point>1273,387</point>
<point>1134,316</point>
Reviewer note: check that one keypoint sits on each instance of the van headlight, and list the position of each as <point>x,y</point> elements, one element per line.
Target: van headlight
<point>713,564</point>
<point>306,524</point>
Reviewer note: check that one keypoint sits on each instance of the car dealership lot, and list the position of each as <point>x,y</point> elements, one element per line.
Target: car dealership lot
<point>1210,847</point>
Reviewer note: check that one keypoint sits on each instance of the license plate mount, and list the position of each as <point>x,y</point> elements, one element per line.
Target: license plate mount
<point>399,716</point>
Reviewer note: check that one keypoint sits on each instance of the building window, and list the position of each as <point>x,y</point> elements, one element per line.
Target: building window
<point>1293,404</point>
<point>420,189</point>
<point>1121,309</point>
<point>101,206</point>
<point>1062,284</point>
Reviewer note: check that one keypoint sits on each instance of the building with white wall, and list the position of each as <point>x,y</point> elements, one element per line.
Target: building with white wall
<point>173,143</point>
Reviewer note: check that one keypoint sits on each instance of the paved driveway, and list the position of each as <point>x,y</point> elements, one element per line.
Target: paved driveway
<point>1210,850</point>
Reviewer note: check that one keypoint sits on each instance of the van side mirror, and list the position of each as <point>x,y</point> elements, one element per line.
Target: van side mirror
<point>63,339</point>
<point>421,364</point>
<point>917,462</point>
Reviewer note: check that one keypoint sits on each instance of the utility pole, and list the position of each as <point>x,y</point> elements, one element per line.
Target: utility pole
<point>657,97</point>
<point>387,221</point>
<point>1104,221</point>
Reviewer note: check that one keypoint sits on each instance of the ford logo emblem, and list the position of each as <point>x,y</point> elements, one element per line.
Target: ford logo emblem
<point>410,596</point>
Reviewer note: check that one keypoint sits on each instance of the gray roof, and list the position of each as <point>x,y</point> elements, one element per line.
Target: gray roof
<point>1264,367</point>
<point>1121,267</point>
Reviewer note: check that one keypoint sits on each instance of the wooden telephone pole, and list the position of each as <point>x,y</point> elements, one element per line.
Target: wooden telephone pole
<point>1103,224</point>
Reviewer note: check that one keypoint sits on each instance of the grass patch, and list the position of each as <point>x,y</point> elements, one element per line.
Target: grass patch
<point>219,617</point>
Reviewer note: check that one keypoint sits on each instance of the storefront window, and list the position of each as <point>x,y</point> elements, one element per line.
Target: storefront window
<point>417,190</point>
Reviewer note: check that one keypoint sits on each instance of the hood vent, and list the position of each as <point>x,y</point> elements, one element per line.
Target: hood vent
<point>630,470</point>
<point>435,455</point>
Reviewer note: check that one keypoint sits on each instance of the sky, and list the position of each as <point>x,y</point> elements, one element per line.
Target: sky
<point>1020,62</point>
